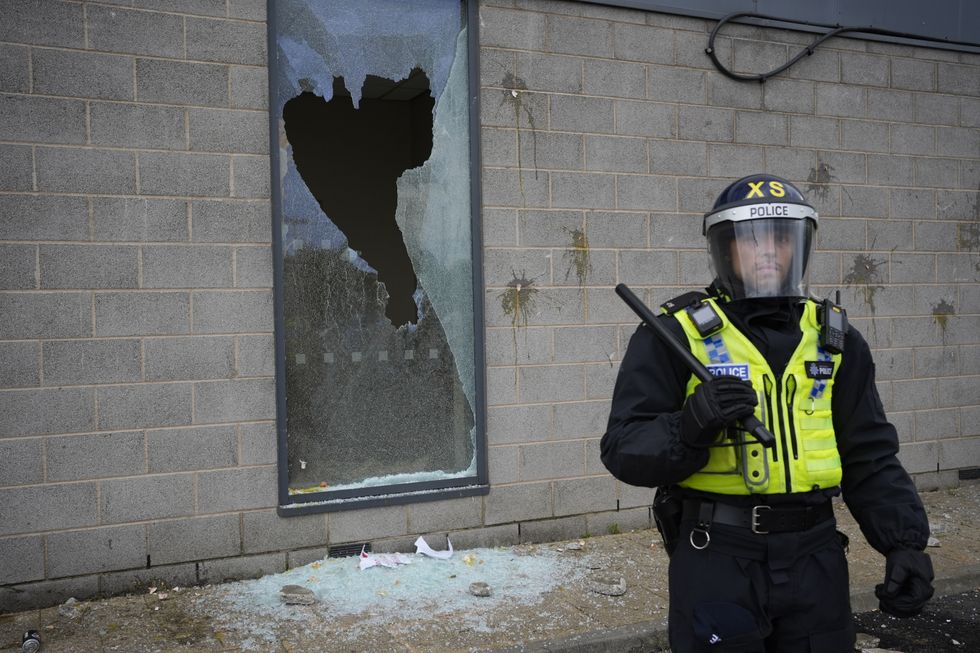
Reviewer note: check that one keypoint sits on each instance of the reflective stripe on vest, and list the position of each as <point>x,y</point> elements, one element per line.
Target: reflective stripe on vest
<point>796,408</point>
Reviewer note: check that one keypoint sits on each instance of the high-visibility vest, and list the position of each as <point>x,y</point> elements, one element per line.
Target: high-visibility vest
<point>795,407</point>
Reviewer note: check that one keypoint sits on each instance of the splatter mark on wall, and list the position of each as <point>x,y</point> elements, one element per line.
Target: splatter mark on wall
<point>514,94</point>
<point>941,313</point>
<point>818,181</point>
<point>519,300</point>
<point>578,256</point>
<point>864,274</point>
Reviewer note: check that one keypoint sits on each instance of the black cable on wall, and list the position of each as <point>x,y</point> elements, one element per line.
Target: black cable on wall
<point>832,30</point>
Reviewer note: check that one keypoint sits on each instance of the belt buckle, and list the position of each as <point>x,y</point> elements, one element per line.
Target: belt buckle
<point>756,518</point>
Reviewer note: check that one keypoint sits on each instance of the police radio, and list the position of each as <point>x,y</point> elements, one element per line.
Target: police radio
<point>833,326</point>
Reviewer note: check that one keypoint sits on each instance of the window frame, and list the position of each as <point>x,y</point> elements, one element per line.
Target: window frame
<point>403,493</point>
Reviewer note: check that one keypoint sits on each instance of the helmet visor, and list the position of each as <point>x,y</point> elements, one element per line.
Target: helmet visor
<point>762,258</point>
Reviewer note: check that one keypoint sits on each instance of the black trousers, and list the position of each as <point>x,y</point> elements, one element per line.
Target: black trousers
<point>750,593</point>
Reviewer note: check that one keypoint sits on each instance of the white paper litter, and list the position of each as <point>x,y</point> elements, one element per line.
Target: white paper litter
<point>422,547</point>
<point>392,560</point>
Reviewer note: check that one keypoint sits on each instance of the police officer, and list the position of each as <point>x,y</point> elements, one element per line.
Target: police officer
<point>757,564</point>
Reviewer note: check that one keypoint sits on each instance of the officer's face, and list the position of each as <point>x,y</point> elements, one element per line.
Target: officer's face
<point>763,261</point>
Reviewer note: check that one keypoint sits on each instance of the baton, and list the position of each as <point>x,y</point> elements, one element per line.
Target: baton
<point>750,423</point>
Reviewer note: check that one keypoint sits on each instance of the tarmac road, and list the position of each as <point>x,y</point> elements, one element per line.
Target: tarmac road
<point>950,624</point>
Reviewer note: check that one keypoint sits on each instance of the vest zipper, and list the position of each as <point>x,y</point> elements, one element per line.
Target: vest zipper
<point>767,388</point>
<point>782,432</point>
<point>790,396</point>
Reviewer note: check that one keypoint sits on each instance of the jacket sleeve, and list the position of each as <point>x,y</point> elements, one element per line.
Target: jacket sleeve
<point>642,444</point>
<point>878,491</point>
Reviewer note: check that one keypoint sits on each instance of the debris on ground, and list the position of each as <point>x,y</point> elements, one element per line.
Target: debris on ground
<point>422,548</point>
<point>947,624</point>
<point>31,642</point>
<point>297,595</point>
<point>608,585</point>
<point>524,549</point>
<point>470,589</point>
<point>479,588</point>
<point>68,609</point>
<point>390,560</point>
<point>864,640</point>
<point>540,595</point>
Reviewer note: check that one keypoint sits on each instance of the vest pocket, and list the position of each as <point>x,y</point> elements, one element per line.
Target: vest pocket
<point>721,461</point>
<point>817,423</point>
<point>819,444</point>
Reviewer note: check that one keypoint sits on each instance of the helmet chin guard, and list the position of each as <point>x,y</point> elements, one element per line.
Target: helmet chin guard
<point>760,236</point>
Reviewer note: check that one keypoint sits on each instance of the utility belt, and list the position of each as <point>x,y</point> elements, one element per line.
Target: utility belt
<point>761,519</point>
<point>669,510</point>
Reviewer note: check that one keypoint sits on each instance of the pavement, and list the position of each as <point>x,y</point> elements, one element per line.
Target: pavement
<point>598,594</point>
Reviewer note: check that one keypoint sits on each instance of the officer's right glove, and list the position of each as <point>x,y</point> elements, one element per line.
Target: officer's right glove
<point>908,583</point>
<point>715,404</point>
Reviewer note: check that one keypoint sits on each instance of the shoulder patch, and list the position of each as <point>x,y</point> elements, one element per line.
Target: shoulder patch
<point>819,369</point>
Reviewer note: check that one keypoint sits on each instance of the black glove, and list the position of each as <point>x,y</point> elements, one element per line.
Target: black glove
<point>715,404</point>
<point>908,583</point>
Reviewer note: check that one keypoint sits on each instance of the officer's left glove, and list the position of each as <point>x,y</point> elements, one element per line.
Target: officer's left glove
<point>908,583</point>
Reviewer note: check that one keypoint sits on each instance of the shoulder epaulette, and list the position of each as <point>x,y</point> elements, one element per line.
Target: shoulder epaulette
<point>681,302</point>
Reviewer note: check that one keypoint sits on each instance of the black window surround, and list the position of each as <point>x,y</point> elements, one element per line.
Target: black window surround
<point>478,484</point>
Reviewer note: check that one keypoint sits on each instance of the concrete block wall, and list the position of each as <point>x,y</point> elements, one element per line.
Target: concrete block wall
<point>137,438</point>
<point>607,133</point>
<point>136,385</point>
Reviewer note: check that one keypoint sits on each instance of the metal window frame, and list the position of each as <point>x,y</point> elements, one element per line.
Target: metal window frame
<point>384,495</point>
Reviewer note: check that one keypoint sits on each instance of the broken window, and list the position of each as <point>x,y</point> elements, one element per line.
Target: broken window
<point>380,372</point>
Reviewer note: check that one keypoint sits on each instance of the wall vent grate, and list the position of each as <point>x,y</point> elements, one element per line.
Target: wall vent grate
<point>347,550</point>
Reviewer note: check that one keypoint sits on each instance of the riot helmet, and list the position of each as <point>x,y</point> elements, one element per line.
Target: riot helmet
<point>760,235</point>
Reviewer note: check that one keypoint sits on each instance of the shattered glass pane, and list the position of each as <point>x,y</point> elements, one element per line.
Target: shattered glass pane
<point>377,278</point>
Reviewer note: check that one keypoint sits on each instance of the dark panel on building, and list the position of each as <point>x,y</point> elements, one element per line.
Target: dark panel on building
<point>948,24</point>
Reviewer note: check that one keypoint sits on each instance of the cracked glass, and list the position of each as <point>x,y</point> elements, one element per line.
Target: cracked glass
<point>377,342</point>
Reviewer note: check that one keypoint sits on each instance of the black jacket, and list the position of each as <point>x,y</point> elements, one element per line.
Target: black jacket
<point>642,444</point>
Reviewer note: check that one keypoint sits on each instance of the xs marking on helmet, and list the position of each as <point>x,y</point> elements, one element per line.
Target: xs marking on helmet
<point>776,189</point>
